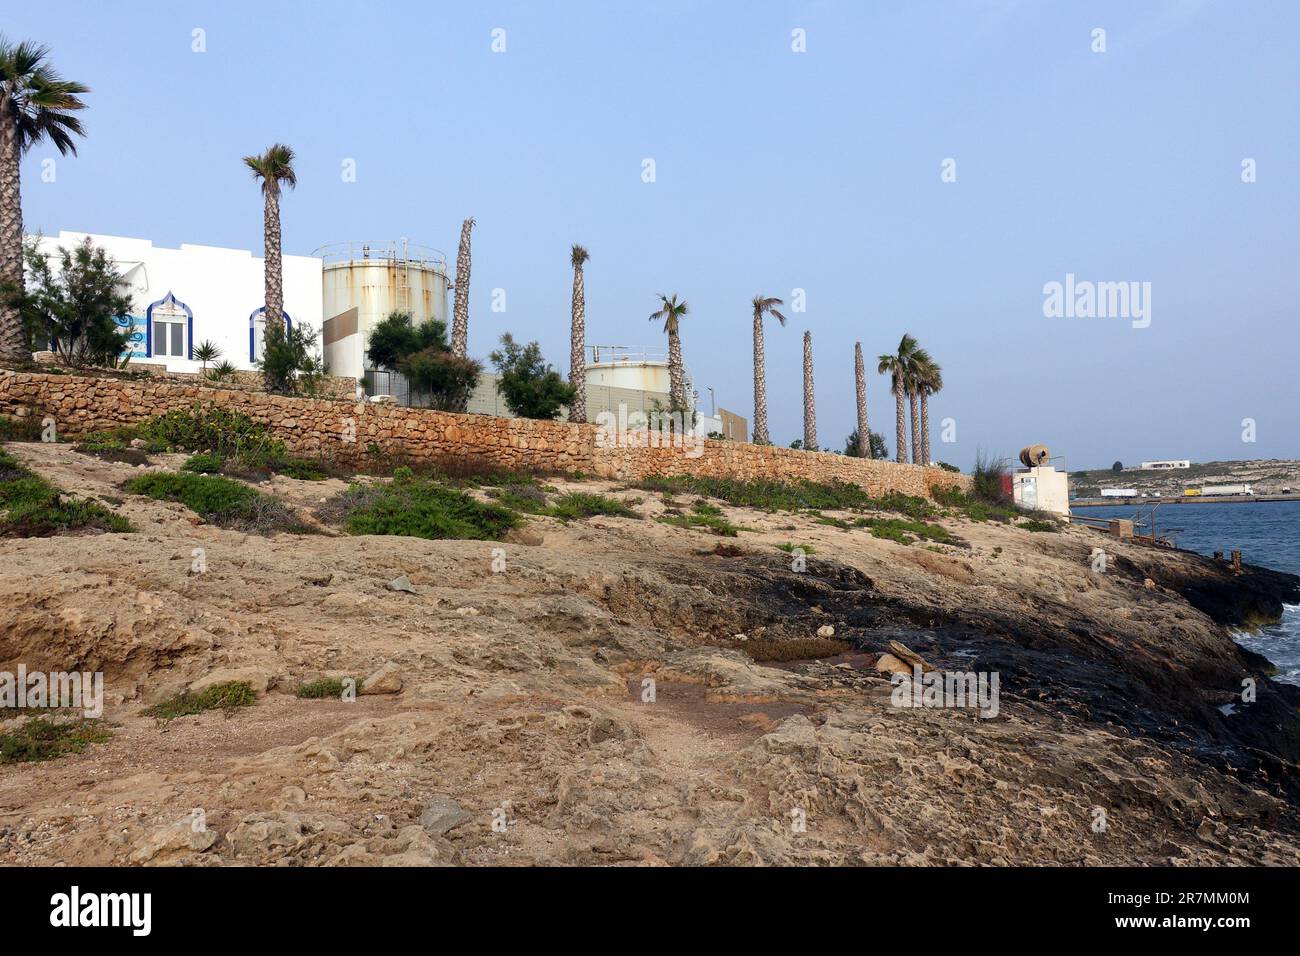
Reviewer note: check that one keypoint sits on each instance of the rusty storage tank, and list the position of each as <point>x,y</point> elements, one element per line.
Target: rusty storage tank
<point>364,281</point>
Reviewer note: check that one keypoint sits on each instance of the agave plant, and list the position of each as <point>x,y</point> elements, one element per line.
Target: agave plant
<point>206,351</point>
<point>221,371</point>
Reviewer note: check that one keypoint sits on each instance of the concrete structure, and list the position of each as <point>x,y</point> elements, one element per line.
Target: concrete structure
<point>363,282</point>
<point>181,297</point>
<point>1166,465</point>
<point>1042,488</point>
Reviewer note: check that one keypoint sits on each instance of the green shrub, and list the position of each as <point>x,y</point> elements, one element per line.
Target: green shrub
<point>989,480</point>
<point>20,429</point>
<point>302,469</point>
<point>326,687</point>
<point>705,517</point>
<point>788,547</point>
<point>219,431</point>
<point>1035,524</point>
<point>289,360</point>
<point>417,508</point>
<point>204,463</point>
<point>577,504</point>
<point>45,739</point>
<point>530,387</point>
<point>227,696</point>
<point>30,507</point>
<point>222,501</point>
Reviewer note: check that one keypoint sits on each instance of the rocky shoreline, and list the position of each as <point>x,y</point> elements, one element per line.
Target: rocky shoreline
<point>515,726</point>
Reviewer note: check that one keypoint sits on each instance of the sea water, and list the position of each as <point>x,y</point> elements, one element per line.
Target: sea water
<point>1266,533</point>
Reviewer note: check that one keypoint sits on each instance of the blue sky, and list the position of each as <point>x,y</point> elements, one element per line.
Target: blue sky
<point>775,170</point>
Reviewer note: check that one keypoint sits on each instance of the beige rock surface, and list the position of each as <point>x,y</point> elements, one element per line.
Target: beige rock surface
<point>598,709</point>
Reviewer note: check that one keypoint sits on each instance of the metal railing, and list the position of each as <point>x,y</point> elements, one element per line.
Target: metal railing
<point>383,250</point>
<point>624,353</point>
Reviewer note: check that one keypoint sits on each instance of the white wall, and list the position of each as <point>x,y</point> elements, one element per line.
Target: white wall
<point>222,287</point>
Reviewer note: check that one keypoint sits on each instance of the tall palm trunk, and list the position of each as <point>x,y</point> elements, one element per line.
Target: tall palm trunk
<point>864,432</point>
<point>676,372</point>
<point>273,266</point>
<point>760,386</point>
<point>460,312</point>
<point>916,427</point>
<point>578,348</point>
<point>900,423</point>
<point>925,428</point>
<point>13,343</point>
<point>809,400</point>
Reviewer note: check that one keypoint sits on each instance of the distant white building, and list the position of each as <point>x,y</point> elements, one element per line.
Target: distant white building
<point>1165,465</point>
<point>181,297</point>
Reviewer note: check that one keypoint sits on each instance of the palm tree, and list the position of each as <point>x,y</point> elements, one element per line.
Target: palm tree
<point>809,400</point>
<point>763,305</point>
<point>671,312</point>
<point>274,168</point>
<point>860,376</point>
<point>929,379</point>
<point>577,338</point>
<point>460,309</point>
<point>35,104</point>
<point>917,360</point>
<point>896,366</point>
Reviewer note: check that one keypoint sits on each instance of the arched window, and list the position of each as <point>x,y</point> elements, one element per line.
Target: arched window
<point>257,332</point>
<point>169,329</point>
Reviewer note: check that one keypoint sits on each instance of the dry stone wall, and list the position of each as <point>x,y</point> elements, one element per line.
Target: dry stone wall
<point>350,432</point>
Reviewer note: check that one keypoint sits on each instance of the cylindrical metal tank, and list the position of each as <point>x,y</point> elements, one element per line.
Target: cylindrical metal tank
<point>376,278</point>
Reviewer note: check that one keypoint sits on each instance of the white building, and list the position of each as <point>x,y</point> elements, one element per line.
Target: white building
<point>1165,465</point>
<point>181,297</point>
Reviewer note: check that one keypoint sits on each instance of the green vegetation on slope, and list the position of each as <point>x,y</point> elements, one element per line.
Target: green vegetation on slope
<point>31,507</point>
<point>222,501</point>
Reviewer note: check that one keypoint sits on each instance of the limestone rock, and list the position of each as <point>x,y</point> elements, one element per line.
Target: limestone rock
<point>441,815</point>
<point>166,844</point>
<point>386,680</point>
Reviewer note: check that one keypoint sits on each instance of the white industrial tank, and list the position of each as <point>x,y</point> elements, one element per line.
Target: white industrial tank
<point>364,281</point>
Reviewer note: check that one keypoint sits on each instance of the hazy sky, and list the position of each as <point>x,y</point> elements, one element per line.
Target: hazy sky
<point>775,170</point>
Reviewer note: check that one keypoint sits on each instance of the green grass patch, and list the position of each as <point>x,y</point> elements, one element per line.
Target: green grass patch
<point>228,696</point>
<point>45,739</point>
<point>905,531</point>
<point>417,508</point>
<point>770,495</point>
<point>30,507</point>
<point>972,507</point>
<point>705,517</point>
<point>789,547</point>
<point>222,501</point>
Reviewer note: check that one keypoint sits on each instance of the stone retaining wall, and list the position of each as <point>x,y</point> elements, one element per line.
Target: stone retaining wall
<point>350,432</point>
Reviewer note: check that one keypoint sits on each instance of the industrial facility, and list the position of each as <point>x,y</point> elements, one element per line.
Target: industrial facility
<point>192,294</point>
